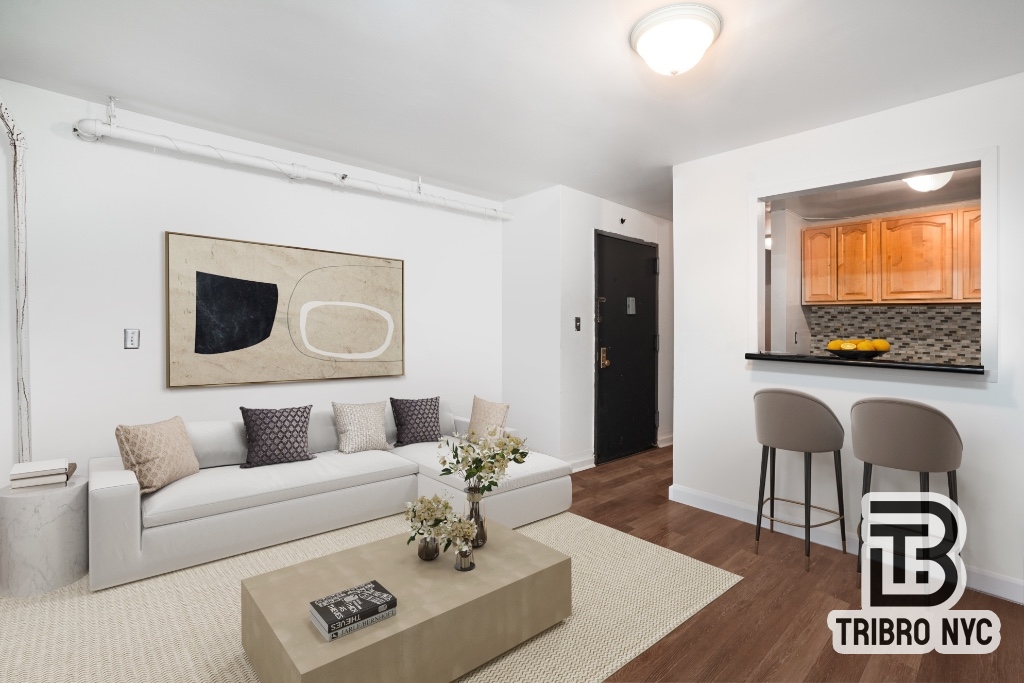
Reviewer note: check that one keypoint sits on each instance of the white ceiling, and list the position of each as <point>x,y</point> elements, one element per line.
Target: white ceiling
<point>503,97</point>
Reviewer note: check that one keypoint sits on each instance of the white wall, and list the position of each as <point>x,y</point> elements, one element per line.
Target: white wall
<point>549,373</point>
<point>97,214</point>
<point>530,308</point>
<point>787,284</point>
<point>716,289</point>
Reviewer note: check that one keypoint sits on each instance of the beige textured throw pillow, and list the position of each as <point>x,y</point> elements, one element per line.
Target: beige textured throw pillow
<point>360,427</point>
<point>157,453</point>
<point>487,415</point>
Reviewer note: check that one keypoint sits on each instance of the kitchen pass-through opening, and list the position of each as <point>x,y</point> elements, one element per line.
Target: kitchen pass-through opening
<point>888,269</point>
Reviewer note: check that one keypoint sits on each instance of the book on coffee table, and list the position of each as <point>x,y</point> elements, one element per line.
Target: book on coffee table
<point>352,609</point>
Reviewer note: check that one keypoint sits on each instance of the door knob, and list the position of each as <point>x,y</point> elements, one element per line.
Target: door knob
<point>605,361</point>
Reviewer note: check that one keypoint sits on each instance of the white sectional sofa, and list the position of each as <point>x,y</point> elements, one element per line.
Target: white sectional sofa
<point>224,510</point>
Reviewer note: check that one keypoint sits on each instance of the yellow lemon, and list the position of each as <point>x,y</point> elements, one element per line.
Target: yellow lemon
<point>881,345</point>
<point>865,346</point>
<point>835,345</point>
<point>848,346</point>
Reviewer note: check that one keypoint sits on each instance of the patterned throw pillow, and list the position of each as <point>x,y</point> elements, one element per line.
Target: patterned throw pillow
<point>157,453</point>
<point>418,419</point>
<point>487,415</point>
<point>276,436</point>
<point>360,427</point>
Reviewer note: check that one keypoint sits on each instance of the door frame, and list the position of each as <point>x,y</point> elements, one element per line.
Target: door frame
<point>657,326</point>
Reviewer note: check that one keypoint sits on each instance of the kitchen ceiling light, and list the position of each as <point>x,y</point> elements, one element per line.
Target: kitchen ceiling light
<point>673,39</point>
<point>928,183</point>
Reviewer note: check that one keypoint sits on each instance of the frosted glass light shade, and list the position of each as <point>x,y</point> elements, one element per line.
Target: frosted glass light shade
<point>928,183</point>
<point>673,39</point>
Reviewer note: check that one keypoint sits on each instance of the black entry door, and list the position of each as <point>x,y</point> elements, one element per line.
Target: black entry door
<point>626,388</point>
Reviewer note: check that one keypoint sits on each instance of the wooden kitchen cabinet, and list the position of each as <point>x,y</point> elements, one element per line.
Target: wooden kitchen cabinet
<point>917,257</point>
<point>970,254</point>
<point>819,270</point>
<point>855,262</point>
<point>926,258</point>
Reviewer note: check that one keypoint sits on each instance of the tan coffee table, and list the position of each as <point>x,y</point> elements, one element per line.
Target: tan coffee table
<point>448,622</point>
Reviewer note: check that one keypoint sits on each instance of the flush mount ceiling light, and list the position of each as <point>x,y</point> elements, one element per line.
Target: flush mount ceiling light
<point>673,39</point>
<point>928,183</point>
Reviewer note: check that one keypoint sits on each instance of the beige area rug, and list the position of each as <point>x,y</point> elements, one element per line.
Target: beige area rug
<point>184,626</point>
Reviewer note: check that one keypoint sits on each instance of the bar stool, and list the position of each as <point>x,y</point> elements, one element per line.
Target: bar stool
<point>794,421</point>
<point>904,435</point>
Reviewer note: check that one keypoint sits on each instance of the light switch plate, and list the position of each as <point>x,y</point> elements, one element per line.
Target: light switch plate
<point>131,339</point>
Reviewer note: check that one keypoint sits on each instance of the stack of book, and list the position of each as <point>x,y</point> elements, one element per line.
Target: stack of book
<point>352,609</point>
<point>42,473</point>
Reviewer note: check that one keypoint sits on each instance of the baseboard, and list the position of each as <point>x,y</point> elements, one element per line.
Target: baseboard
<point>665,440</point>
<point>583,460</point>
<point>1005,587</point>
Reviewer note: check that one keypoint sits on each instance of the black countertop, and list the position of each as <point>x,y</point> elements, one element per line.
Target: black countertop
<point>875,363</point>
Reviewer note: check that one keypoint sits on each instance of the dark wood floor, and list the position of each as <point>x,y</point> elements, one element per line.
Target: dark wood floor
<point>772,625</point>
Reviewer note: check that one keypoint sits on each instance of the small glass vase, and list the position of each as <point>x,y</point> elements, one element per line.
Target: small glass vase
<point>428,549</point>
<point>464,560</point>
<point>474,496</point>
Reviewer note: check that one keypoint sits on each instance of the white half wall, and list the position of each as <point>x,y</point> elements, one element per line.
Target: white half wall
<point>716,287</point>
<point>97,213</point>
<point>548,282</point>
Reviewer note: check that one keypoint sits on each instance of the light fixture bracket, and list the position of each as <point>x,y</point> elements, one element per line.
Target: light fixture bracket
<point>693,11</point>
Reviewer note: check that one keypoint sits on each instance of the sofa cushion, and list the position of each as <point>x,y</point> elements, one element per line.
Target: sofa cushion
<point>537,468</point>
<point>216,490</point>
<point>361,427</point>
<point>158,453</point>
<point>418,419</point>
<point>276,436</point>
<point>486,416</point>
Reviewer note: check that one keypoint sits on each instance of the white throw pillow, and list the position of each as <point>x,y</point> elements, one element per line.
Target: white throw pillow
<point>360,427</point>
<point>487,415</point>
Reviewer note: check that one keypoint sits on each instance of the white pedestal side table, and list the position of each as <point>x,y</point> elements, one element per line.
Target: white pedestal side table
<point>44,537</point>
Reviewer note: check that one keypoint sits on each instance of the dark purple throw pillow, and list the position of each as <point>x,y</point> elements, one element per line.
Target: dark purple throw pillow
<point>417,419</point>
<point>276,436</point>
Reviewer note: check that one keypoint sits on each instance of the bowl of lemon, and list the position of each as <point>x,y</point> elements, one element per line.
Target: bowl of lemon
<point>858,349</point>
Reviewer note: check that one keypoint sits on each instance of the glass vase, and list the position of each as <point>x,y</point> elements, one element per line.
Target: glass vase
<point>464,560</point>
<point>476,515</point>
<point>428,549</point>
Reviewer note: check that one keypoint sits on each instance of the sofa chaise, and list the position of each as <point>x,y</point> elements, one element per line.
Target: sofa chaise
<point>225,510</point>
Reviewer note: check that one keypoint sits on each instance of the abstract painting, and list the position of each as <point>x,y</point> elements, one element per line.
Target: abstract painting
<point>245,312</point>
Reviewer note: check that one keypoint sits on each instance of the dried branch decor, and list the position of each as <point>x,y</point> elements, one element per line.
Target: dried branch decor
<point>17,140</point>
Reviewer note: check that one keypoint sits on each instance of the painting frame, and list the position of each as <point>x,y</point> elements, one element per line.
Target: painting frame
<point>170,315</point>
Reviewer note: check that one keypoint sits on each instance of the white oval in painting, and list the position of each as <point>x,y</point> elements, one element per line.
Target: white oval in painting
<point>362,355</point>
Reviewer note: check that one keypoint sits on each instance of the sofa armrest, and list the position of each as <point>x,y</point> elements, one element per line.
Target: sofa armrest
<point>462,426</point>
<point>115,522</point>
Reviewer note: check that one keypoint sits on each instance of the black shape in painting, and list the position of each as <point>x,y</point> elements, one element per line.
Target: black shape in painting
<point>231,313</point>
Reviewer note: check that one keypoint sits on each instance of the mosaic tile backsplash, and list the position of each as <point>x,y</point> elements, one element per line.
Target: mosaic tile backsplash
<point>929,333</point>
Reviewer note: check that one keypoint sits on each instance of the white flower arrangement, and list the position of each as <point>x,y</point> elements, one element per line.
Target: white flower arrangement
<point>428,517</point>
<point>435,518</point>
<point>461,532</point>
<point>482,461</point>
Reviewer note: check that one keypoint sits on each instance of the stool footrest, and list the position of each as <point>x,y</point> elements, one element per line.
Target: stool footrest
<point>801,504</point>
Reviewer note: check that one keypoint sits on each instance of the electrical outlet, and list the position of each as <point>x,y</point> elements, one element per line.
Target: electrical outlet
<point>131,339</point>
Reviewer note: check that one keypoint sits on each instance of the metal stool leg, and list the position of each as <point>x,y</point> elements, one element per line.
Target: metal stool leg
<point>760,496</point>
<point>771,489</point>
<point>807,511</point>
<point>865,489</point>
<point>924,482</point>
<point>951,476</point>
<point>839,492</point>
